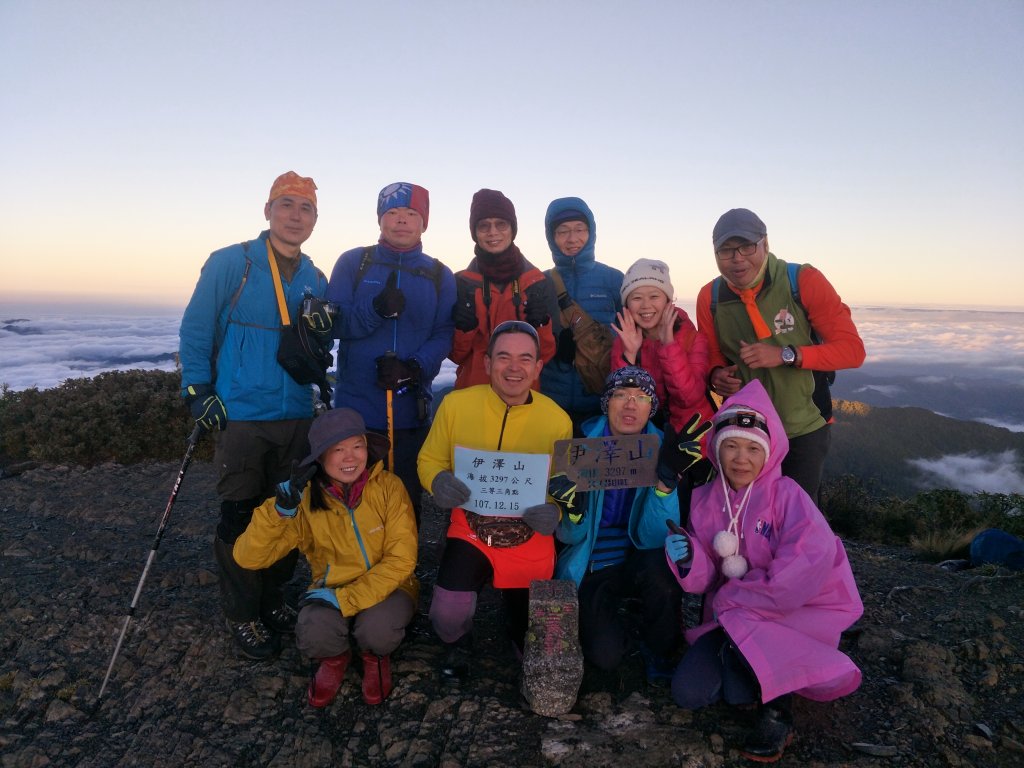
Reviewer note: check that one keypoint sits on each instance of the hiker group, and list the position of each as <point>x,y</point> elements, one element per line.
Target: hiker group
<point>334,463</point>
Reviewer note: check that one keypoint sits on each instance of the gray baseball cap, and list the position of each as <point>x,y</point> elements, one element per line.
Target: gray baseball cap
<point>739,222</point>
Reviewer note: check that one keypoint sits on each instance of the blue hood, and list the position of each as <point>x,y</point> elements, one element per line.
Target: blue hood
<point>570,204</point>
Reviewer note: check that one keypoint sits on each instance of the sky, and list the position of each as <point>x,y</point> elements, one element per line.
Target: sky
<point>880,141</point>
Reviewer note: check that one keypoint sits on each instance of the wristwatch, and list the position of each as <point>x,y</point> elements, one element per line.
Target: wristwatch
<point>789,355</point>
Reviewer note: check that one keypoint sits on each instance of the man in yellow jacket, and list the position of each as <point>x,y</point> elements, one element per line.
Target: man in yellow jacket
<point>356,527</point>
<point>504,415</point>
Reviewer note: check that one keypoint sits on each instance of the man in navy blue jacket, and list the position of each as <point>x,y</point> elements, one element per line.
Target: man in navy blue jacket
<point>396,327</point>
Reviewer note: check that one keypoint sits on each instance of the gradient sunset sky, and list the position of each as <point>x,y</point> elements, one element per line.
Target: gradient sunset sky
<point>880,141</point>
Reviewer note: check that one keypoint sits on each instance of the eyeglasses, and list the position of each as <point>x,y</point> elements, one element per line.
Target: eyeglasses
<point>746,250</point>
<point>498,225</point>
<point>515,326</point>
<point>577,231</point>
<point>622,397</point>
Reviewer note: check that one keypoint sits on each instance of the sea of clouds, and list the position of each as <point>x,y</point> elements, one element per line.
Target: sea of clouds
<point>968,364</point>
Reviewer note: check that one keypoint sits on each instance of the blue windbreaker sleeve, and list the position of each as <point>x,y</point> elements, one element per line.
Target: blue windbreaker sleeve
<point>358,318</point>
<point>438,345</point>
<point>205,317</point>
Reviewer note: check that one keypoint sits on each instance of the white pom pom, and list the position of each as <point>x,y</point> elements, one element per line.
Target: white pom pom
<point>734,566</point>
<point>725,543</point>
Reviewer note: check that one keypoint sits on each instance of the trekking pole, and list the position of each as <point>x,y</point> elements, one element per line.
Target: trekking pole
<point>193,439</point>
<point>391,430</point>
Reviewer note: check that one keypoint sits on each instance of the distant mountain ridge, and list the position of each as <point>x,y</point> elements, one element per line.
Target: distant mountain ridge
<point>877,445</point>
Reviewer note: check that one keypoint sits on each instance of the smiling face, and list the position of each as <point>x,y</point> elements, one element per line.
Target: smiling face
<point>571,236</point>
<point>741,461</point>
<point>739,270</point>
<point>494,235</point>
<point>291,221</point>
<point>344,462</point>
<point>629,408</point>
<point>401,228</point>
<point>513,365</point>
<point>646,304</point>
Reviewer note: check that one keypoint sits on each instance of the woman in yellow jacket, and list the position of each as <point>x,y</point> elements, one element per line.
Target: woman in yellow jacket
<point>355,525</point>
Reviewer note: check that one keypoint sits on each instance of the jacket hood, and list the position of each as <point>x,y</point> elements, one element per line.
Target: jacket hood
<point>570,204</point>
<point>754,396</point>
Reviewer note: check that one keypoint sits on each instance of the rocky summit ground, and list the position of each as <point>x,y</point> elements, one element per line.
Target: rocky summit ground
<point>941,654</point>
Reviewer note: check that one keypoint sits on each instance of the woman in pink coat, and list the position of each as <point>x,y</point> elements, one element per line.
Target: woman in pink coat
<point>778,587</point>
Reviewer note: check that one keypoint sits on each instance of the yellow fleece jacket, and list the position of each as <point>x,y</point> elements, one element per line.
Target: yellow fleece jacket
<point>365,553</point>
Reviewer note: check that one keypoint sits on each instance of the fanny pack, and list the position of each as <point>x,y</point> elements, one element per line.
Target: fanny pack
<point>298,352</point>
<point>498,532</point>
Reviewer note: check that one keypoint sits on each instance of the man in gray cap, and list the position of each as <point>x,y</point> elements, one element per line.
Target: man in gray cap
<point>783,324</point>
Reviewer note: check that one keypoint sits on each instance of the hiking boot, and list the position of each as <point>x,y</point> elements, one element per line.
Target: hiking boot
<point>281,620</point>
<point>770,737</point>
<point>324,685</point>
<point>254,639</point>
<point>456,663</point>
<point>376,677</point>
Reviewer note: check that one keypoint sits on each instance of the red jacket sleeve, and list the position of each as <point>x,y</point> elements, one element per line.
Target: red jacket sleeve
<point>684,368</point>
<point>841,345</point>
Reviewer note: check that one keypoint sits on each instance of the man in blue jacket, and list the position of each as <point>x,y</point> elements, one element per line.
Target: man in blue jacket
<point>259,415</point>
<point>396,327</point>
<point>572,233</point>
<point>614,539</point>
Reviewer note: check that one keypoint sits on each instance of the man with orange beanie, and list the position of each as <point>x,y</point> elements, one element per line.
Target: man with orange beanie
<point>235,387</point>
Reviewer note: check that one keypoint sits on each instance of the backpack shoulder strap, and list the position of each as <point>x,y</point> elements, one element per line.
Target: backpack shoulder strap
<point>794,282</point>
<point>716,284</point>
<point>245,276</point>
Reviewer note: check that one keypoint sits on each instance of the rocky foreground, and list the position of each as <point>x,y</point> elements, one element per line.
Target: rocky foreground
<point>941,654</point>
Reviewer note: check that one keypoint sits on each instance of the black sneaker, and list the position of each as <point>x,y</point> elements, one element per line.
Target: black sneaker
<point>456,663</point>
<point>254,639</point>
<point>281,620</point>
<point>770,737</point>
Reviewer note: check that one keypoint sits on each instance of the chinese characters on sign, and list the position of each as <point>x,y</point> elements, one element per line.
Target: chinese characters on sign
<point>502,483</point>
<point>595,463</point>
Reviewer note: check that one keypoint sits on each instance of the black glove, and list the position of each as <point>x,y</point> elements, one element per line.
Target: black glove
<point>464,311</point>
<point>206,406</point>
<point>390,302</point>
<point>680,452</point>
<point>398,375</point>
<point>543,518</point>
<point>563,491</point>
<point>289,493</point>
<point>448,491</point>
<point>536,312</point>
<point>566,350</point>
<point>317,314</point>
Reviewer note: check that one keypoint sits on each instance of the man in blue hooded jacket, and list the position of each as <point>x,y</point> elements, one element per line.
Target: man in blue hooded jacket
<point>572,233</point>
<point>395,304</point>
<point>235,387</point>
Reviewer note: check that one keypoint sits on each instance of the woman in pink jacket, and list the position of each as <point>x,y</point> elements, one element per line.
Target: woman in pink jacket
<point>778,587</point>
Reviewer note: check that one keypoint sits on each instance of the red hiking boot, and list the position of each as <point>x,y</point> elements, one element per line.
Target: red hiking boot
<point>327,680</point>
<point>376,677</point>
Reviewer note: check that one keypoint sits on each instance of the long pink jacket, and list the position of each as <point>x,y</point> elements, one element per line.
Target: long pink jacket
<point>786,614</point>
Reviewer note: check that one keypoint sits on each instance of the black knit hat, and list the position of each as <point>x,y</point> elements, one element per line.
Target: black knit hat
<point>491,204</point>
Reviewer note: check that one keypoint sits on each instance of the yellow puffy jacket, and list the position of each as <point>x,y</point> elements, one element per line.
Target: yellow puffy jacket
<point>365,553</point>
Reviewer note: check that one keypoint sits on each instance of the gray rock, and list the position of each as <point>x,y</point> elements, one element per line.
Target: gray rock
<point>552,658</point>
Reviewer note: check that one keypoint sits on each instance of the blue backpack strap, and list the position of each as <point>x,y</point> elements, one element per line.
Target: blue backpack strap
<point>794,282</point>
<point>715,285</point>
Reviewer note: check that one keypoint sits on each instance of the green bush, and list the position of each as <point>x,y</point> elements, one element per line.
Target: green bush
<point>120,416</point>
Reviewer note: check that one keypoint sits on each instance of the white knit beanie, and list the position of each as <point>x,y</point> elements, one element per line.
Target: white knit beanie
<point>647,272</point>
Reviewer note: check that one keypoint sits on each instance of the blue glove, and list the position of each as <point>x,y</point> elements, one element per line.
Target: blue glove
<point>320,596</point>
<point>289,493</point>
<point>207,408</point>
<point>677,545</point>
